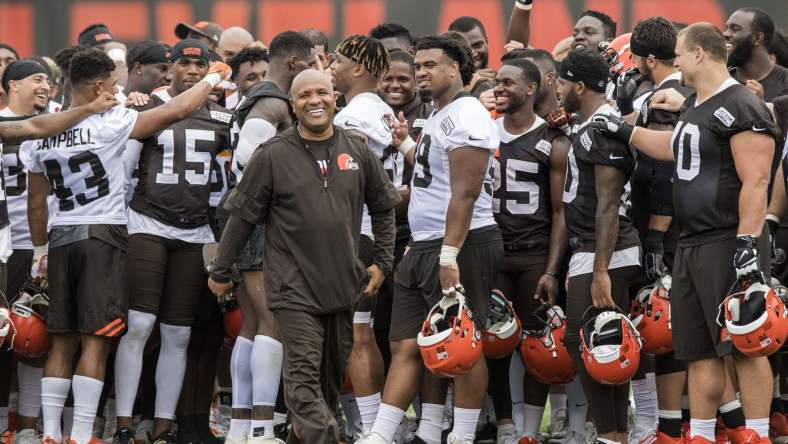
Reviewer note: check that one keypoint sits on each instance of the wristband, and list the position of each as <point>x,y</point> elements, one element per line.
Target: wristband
<point>551,273</point>
<point>40,251</point>
<point>773,218</point>
<point>524,4</point>
<point>406,145</point>
<point>448,256</point>
<point>117,55</point>
<point>212,79</point>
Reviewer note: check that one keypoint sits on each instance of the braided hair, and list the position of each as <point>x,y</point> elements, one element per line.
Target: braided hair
<point>367,52</point>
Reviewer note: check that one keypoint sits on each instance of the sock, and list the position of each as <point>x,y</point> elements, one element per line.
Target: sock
<point>261,428</point>
<point>29,389</point>
<point>760,426</point>
<point>533,419</point>
<point>68,420</point>
<point>266,366</point>
<point>431,423</point>
<point>645,394</point>
<point>670,423</point>
<point>238,428</point>
<point>128,360</point>
<point>732,414</point>
<point>387,421</point>
<point>577,407</point>
<point>368,408</point>
<point>465,423</point>
<point>170,368</point>
<point>87,392</point>
<point>557,401</point>
<point>54,392</point>
<point>3,419</point>
<point>241,373</point>
<point>518,417</point>
<point>352,415</point>
<point>704,428</point>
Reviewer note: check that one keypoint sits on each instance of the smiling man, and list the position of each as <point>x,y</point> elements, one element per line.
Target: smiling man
<point>311,203</point>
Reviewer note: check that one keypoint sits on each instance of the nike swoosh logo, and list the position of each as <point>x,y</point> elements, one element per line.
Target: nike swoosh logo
<point>612,157</point>
<point>756,129</point>
<point>475,138</point>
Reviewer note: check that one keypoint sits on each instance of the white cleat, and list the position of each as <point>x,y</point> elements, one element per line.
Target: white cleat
<point>506,435</point>
<point>26,436</point>
<point>454,439</point>
<point>558,423</point>
<point>228,440</point>
<point>372,438</point>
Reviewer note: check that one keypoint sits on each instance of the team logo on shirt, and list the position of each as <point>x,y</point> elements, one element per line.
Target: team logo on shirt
<point>447,125</point>
<point>388,121</point>
<point>724,116</point>
<point>346,162</point>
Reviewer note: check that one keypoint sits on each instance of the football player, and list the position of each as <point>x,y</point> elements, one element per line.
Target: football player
<point>592,28</point>
<point>149,67</point>
<point>605,247</point>
<point>256,362</point>
<point>319,39</point>
<point>473,32</point>
<point>168,224</point>
<point>27,87</point>
<point>359,63</point>
<point>232,41</point>
<point>393,36</point>
<point>723,146</point>
<point>86,267</point>
<point>250,67</point>
<point>450,211</point>
<point>529,173</point>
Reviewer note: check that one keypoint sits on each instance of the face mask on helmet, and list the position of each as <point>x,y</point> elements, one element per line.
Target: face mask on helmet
<point>29,336</point>
<point>610,347</point>
<point>650,314</point>
<point>542,349</point>
<point>755,319</point>
<point>502,331</point>
<point>449,341</point>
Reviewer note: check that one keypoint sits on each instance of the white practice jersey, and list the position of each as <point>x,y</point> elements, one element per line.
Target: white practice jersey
<point>463,123</point>
<point>84,164</point>
<point>370,115</point>
<point>219,177</point>
<point>15,176</point>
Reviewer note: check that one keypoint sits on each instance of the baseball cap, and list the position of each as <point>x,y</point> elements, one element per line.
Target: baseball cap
<point>209,30</point>
<point>190,48</point>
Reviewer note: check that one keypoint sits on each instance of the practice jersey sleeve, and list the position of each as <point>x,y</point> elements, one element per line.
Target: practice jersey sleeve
<point>28,158</point>
<point>470,125</point>
<point>743,111</point>
<point>369,116</point>
<point>118,124</point>
<point>601,150</point>
<point>379,192</point>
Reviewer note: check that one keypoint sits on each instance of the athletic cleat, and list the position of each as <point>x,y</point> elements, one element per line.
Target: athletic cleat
<point>93,440</point>
<point>166,437</point>
<point>591,434</point>
<point>528,440</point>
<point>663,438</point>
<point>649,438</point>
<point>697,440</point>
<point>558,423</point>
<point>49,440</point>
<point>124,435</point>
<point>778,425</point>
<point>371,438</point>
<point>506,435</point>
<point>26,436</point>
<point>144,431</point>
<point>406,431</point>
<point>738,435</point>
<point>454,439</point>
<point>416,440</point>
<point>752,437</point>
<point>573,438</point>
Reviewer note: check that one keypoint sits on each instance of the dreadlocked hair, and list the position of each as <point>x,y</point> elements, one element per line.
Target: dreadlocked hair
<point>367,52</point>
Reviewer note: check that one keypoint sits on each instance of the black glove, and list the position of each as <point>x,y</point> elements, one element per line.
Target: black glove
<point>612,126</point>
<point>626,87</point>
<point>777,254</point>
<point>745,261</point>
<point>652,254</point>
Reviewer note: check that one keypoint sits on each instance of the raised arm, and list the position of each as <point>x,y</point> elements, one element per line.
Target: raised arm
<point>520,22</point>
<point>180,107</point>
<point>47,125</point>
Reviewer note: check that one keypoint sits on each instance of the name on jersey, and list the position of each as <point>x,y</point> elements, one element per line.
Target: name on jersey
<point>724,116</point>
<point>447,125</point>
<point>67,139</point>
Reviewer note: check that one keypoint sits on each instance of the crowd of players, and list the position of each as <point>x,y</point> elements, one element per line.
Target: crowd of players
<point>397,225</point>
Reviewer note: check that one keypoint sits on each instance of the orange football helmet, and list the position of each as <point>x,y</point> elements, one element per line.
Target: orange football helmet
<point>449,341</point>
<point>610,347</point>
<point>755,319</point>
<point>29,336</point>
<point>543,351</point>
<point>5,319</point>
<point>232,318</point>
<point>502,331</point>
<point>618,54</point>
<point>650,314</point>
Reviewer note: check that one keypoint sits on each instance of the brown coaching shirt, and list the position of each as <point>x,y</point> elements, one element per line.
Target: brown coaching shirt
<point>311,208</point>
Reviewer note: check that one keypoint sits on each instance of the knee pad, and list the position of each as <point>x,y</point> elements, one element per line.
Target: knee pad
<point>175,336</point>
<point>140,326</point>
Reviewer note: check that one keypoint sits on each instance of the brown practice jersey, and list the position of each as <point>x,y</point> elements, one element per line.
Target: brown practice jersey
<point>176,163</point>
<point>521,187</point>
<point>590,148</point>
<point>705,183</point>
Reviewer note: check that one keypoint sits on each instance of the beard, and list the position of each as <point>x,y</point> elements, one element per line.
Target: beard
<point>571,102</point>
<point>741,53</point>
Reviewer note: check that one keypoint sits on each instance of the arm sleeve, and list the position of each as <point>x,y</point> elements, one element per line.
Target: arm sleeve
<point>384,232</point>
<point>607,151</point>
<point>234,237</point>
<point>743,112</point>
<point>250,199</point>
<point>254,132</point>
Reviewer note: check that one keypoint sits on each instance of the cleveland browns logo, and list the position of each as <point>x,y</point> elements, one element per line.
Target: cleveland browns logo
<point>346,162</point>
